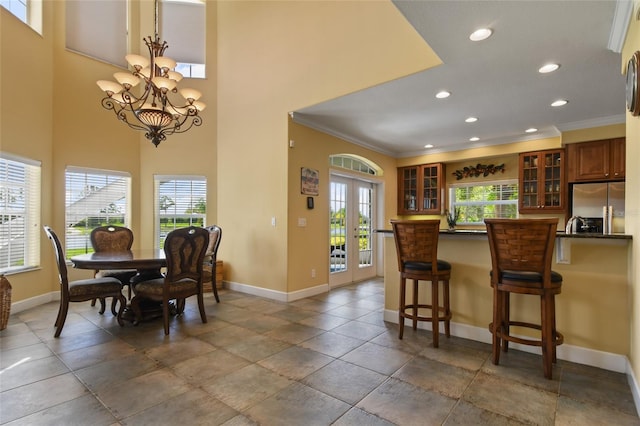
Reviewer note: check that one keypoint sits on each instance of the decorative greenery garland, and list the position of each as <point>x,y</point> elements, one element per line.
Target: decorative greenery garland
<point>478,170</point>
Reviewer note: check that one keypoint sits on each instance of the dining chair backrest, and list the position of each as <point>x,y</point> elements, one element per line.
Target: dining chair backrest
<point>111,238</point>
<point>215,235</point>
<point>522,245</point>
<point>184,250</point>
<point>60,258</point>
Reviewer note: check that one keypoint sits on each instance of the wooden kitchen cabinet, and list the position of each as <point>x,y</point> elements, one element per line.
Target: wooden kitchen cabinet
<point>420,189</point>
<point>542,181</point>
<point>596,161</point>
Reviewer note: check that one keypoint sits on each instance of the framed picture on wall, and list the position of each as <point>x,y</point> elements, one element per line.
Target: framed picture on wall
<point>309,181</point>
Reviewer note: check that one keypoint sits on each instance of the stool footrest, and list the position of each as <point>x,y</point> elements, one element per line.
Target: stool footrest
<point>445,317</point>
<point>531,342</point>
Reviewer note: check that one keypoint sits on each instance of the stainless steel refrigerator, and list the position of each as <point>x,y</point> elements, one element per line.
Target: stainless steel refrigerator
<point>590,199</point>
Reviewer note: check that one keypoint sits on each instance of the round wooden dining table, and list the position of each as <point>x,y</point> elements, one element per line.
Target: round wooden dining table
<point>140,259</point>
<point>147,262</point>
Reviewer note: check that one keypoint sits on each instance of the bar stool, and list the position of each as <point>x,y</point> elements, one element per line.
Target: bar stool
<point>417,248</point>
<point>521,253</point>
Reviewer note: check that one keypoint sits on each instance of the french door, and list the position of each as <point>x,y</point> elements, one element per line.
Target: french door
<point>351,240</point>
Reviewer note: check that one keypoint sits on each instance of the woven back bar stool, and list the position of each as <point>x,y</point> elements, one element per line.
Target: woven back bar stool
<point>521,255</point>
<point>417,249</point>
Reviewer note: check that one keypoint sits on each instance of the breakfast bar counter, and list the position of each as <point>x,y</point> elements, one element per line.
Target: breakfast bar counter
<point>592,311</point>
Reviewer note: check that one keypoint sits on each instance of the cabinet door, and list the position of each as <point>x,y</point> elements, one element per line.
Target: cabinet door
<point>542,182</point>
<point>618,158</point>
<point>408,190</point>
<point>431,177</point>
<point>528,199</point>
<point>589,161</point>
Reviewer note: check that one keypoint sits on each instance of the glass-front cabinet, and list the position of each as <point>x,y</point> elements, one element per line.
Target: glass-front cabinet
<point>420,189</point>
<point>542,181</point>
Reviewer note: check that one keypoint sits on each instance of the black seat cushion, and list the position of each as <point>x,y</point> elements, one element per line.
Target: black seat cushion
<point>533,277</point>
<point>443,265</point>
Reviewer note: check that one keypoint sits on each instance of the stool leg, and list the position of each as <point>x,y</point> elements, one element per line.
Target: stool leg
<point>403,286</point>
<point>447,308</point>
<point>415,305</point>
<point>547,334</point>
<point>435,323</point>
<point>497,324</point>
<point>506,317</point>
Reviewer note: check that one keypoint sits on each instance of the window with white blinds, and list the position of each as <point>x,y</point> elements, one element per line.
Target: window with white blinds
<point>94,198</point>
<point>180,201</point>
<point>19,213</point>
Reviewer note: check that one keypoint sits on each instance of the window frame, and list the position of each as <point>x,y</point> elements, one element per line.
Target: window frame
<point>453,203</point>
<point>28,182</point>
<point>193,218</point>
<point>92,175</point>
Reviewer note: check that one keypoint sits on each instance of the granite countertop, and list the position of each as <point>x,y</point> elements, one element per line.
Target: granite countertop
<point>559,234</point>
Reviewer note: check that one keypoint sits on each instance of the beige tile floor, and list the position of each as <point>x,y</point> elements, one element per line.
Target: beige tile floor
<point>328,359</point>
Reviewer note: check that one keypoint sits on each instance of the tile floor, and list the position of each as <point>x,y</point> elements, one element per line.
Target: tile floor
<point>328,359</point>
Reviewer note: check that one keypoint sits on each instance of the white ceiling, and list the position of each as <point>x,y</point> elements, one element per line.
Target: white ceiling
<point>496,80</point>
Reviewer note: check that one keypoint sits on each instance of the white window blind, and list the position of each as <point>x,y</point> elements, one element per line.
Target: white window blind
<point>180,201</point>
<point>19,213</point>
<point>186,47</point>
<point>97,29</point>
<point>94,198</point>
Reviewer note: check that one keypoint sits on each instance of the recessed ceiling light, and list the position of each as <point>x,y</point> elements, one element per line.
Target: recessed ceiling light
<point>471,119</point>
<point>443,94</point>
<point>474,139</point>
<point>548,68</point>
<point>481,34</point>
<point>531,130</point>
<point>428,145</point>
<point>559,102</point>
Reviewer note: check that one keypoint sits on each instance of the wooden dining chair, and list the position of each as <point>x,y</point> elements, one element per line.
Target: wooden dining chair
<point>210,259</point>
<point>521,255</point>
<point>185,250</point>
<point>81,290</point>
<point>417,250</point>
<point>113,238</point>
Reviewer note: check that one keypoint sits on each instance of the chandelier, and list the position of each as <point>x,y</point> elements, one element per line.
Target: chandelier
<point>151,109</point>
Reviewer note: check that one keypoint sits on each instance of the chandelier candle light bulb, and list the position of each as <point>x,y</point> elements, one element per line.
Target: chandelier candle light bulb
<point>153,112</point>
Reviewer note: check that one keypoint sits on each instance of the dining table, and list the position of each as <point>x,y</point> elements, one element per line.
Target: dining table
<point>148,263</point>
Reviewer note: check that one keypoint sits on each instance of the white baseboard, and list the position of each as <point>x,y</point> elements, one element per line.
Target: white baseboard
<point>277,295</point>
<point>32,302</point>
<point>635,388</point>
<point>606,360</point>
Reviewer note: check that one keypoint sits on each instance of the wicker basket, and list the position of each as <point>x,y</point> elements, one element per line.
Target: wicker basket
<point>5,301</point>
<point>219,269</point>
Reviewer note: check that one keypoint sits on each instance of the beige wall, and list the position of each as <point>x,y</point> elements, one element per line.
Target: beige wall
<point>26,121</point>
<point>632,201</point>
<point>308,247</point>
<point>275,57</point>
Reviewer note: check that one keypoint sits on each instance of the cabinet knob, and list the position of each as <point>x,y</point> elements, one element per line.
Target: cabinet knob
<point>606,175</point>
<point>616,173</point>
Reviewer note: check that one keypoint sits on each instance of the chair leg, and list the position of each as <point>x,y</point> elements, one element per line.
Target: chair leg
<point>401,305</point>
<point>435,313</point>
<point>415,305</point>
<point>137,312</point>
<point>102,305</point>
<point>165,316</point>
<point>214,288</point>
<point>447,308</point>
<point>93,302</point>
<point>123,303</point>
<point>203,314</point>
<point>62,316</point>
